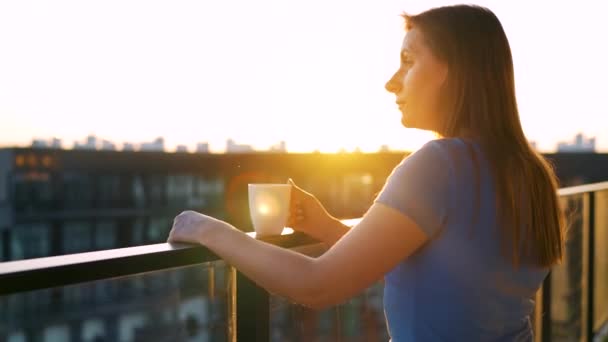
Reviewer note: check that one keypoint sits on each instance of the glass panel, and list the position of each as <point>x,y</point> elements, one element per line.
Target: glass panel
<point>566,279</point>
<point>600,286</point>
<point>359,319</point>
<point>182,304</point>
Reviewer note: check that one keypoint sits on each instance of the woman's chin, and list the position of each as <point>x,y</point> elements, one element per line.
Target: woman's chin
<point>407,121</point>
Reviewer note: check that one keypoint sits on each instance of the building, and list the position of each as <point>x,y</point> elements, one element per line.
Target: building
<point>54,202</point>
<point>158,145</point>
<point>580,144</point>
<point>128,147</point>
<point>42,143</point>
<point>202,148</point>
<point>39,143</point>
<point>90,144</point>
<point>281,147</point>
<point>107,145</point>
<point>232,147</point>
<point>181,149</point>
<point>384,149</point>
<point>56,143</point>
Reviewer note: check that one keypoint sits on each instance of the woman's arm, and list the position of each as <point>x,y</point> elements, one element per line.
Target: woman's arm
<point>382,239</point>
<point>330,234</point>
<point>278,270</point>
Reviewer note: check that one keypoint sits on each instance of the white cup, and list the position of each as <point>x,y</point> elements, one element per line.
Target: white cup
<point>269,207</point>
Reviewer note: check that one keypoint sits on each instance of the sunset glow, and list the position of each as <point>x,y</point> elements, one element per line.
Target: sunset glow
<point>309,73</point>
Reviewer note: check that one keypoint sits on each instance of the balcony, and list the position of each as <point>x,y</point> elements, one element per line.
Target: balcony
<point>184,293</point>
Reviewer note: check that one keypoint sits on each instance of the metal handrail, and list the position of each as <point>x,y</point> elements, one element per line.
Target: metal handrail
<point>545,322</point>
<point>581,189</point>
<point>40,273</point>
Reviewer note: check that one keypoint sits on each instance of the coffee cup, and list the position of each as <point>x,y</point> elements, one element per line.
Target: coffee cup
<point>269,207</point>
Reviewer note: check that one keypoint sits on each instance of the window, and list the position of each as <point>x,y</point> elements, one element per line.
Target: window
<point>3,187</point>
<point>159,228</point>
<point>78,190</point>
<point>139,195</point>
<point>108,191</point>
<point>30,241</point>
<point>77,237</point>
<point>179,190</point>
<point>208,194</point>
<point>33,191</point>
<point>139,231</point>
<point>105,235</point>
<point>20,160</point>
<point>155,188</point>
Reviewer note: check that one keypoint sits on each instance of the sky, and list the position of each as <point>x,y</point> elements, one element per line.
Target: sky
<point>311,73</point>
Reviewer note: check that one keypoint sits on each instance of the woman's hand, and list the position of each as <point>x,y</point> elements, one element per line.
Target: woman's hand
<point>193,227</point>
<point>307,214</point>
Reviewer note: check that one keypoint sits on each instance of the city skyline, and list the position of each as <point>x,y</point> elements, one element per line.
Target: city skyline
<point>579,143</point>
<point>199,71</point>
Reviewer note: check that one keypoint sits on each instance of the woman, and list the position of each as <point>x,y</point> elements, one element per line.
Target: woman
<point>464,230</point>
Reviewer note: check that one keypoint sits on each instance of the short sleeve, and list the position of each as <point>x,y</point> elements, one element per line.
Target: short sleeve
<point>419,187</point>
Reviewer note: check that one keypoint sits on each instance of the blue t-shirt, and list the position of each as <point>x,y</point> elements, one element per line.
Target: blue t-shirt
<point>458,286</point>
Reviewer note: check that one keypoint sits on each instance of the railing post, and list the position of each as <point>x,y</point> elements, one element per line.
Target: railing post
<point>539,315</point>
<point>231,324</point>
<point>546,310</point>
<point>252,311</point>
<point>590,266</point>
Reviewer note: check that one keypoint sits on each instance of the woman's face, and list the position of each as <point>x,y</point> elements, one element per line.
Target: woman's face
<point>417,83</point>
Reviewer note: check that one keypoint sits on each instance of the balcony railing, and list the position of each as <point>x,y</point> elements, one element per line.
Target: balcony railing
<point>85,296</point>
<point>573,302</point>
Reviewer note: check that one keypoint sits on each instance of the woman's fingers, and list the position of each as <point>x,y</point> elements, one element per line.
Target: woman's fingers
<point>296,215</point>
<point>299,200</point>
<point>297,192</point>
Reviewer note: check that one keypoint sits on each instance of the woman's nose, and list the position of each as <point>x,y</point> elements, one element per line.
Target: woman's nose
<point>393,85</point>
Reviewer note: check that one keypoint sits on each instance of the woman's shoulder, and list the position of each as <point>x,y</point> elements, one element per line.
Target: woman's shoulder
<point>444,150</point>
<point>449,145</point>
<point>461,160</point>
<point>453,150</point>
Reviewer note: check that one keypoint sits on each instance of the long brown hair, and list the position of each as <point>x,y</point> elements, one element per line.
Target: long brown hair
<point>479,98</point>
